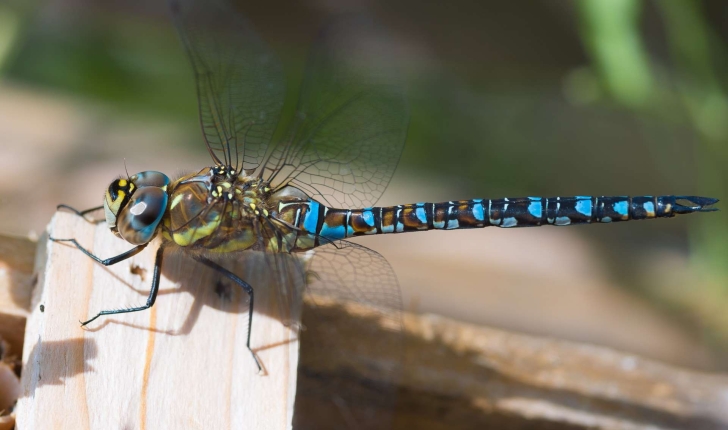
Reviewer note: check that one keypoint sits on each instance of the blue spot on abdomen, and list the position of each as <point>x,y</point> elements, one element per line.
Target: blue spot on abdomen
<point>621,208</point>
<point>310,220</point>
<point>478,210</point>
<point>535,208</point>
<point>584,205</point>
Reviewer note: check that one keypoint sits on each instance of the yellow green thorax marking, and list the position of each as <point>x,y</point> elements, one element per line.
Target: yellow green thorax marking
<point>220,214</point>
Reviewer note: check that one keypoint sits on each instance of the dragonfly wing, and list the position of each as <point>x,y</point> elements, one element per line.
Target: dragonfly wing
<point>240,84</point>
<point>352,343</point>
<point>351,120</point>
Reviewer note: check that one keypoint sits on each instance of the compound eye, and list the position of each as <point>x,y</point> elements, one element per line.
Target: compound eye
<point>150,178</point>
<point>138,220</point>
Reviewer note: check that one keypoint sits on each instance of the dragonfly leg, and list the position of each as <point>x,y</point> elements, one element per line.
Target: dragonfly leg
<point>248,289</point>
<point>82,213</point>
<point>152,293</point>
<point>108,261</point>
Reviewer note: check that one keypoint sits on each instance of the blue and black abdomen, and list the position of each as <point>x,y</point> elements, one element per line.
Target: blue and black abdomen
<point>319,221</point>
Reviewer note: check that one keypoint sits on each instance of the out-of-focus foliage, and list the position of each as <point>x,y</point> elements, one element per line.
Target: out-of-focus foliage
<point>612,34</point>
<point>610,31</point>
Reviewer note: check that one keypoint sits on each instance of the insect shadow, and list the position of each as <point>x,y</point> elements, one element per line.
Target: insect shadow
<point>44,371</point>
<point>277,281</point>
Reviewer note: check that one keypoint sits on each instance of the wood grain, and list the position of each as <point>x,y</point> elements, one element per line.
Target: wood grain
<point>181,364</point>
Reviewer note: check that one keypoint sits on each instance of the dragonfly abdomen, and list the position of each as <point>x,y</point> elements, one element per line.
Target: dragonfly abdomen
<point>320,221</point>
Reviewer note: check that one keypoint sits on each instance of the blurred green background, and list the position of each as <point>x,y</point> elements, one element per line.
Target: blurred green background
<point>598,97</point>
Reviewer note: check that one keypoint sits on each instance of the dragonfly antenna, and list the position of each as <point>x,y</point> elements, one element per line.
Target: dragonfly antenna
<point>126,170</point>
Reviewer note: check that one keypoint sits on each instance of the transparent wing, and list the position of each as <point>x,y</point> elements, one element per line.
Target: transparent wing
<point>240,85</point>
<point>352,342</point>
<point>351,122</point>
<point>346,298</point>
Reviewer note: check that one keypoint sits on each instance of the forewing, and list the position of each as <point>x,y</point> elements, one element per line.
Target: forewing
<point>240,84</point>
<point>351,121</point>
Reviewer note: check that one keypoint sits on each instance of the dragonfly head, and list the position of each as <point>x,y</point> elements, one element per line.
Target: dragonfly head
<point>134,206</point>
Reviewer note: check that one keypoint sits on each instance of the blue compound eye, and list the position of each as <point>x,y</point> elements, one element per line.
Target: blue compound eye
<point>150,178</point>
<point>138,220</point>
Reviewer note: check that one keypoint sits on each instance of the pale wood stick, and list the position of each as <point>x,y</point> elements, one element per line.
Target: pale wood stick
<point>181,364</point>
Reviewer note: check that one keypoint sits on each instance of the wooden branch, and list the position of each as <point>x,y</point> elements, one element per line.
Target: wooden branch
<point>462,376</point>
<point>455,375</point>
<point>181,364</point>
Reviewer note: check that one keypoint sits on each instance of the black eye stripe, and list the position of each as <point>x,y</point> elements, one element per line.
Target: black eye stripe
<point>114,190</point>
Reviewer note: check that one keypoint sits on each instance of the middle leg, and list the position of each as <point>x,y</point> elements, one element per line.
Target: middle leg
<point>248,289</point>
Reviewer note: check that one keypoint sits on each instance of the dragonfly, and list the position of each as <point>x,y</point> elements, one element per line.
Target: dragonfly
<point>313,188</point>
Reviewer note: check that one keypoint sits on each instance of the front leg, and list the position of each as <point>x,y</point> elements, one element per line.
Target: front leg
<point>121,257</point>
<point>108,261</point>
<point>82,213</point>
<point>152,293</point>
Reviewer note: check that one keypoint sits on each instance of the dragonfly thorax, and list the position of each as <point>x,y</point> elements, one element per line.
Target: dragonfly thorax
<point>217,209</point>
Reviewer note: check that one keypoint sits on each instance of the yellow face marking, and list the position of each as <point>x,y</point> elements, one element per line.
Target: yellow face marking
<point>131,186</point>
<point>122,182</point>
<point>120,196</point>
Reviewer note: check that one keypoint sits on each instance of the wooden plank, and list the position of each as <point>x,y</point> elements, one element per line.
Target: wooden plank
<point>181,364</point>
<point>456,375</point>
